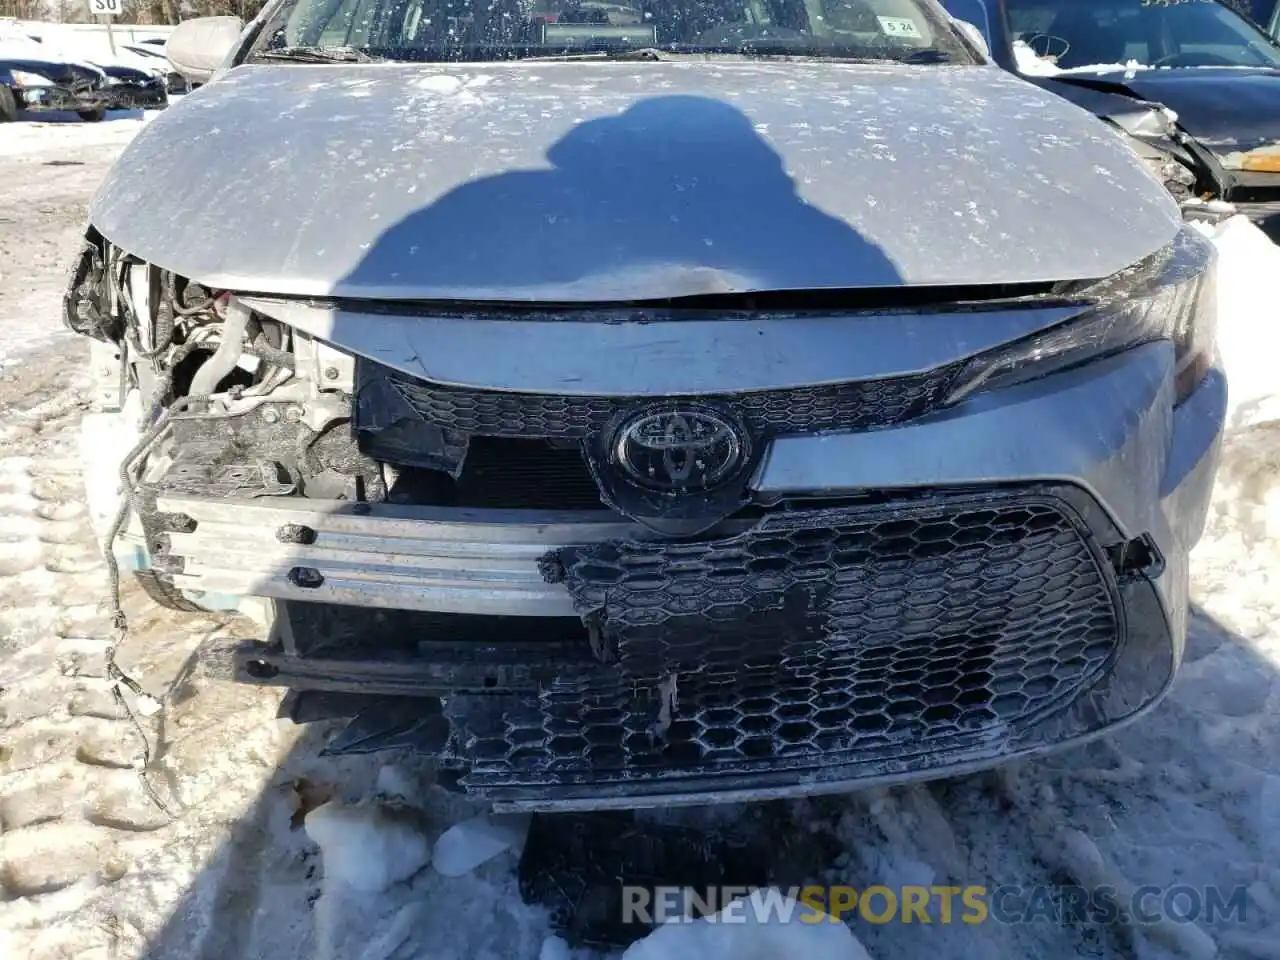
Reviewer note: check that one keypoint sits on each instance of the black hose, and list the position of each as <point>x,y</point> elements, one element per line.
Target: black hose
<point>166,323</point>
<point>263,350</point>
<point>171,290</point>
<point>165,326</point>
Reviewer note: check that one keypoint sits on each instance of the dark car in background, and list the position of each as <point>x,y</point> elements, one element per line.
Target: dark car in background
<point>42,85</point>
<point>175,82</point>
<point>1195,87</point>
<point>130,89</point>
<point>1265,13</point>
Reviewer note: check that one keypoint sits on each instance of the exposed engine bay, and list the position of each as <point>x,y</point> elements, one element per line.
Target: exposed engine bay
<point>232,403</point>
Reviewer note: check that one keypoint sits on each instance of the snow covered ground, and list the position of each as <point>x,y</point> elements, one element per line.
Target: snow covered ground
<point>90,869</point>
<point>52,162</point>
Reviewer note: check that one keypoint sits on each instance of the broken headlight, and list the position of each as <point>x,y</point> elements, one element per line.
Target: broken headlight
<point>1173,176</point>
<point>1170,296</point>
<point>25,78</point>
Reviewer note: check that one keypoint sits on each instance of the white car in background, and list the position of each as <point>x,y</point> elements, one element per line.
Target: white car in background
<point>149,56</point>
<point>149,59</point>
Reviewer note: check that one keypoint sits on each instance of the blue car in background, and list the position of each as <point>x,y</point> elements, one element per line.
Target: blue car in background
<point>37,79</point>
<point>1195,87</point>
<point>36,84</point>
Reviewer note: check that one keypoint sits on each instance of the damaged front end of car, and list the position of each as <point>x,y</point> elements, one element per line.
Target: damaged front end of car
<point>198,395</point>
<point>574,585</point>
<point>1218,162</point>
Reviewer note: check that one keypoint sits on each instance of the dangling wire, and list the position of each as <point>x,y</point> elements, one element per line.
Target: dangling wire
<point>158,416</point>
<point>119,621</point>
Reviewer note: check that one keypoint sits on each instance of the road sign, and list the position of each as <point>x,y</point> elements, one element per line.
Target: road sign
<point>106,8</point>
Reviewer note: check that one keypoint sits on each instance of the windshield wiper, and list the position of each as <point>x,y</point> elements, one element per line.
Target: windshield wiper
<point>926,56</point>
<point>611,53</point>
<point>317,55</point>
<point>745,53</point>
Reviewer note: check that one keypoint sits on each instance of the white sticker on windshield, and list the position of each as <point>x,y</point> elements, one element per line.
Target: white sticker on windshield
<point>899,27</point>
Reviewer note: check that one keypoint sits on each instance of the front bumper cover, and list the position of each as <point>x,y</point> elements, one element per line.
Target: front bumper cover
<point>821,648</point>
<point>51,98</point>
<point>136,96</point>
<point>582,663</point>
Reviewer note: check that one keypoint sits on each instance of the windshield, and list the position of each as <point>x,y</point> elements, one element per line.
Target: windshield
<point>1074,34</point>
<point>485,30</point>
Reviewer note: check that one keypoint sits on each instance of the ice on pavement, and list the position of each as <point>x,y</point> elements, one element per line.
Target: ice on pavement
<point>369,847</point>
<point>753,928</point>
<point>468,844</point>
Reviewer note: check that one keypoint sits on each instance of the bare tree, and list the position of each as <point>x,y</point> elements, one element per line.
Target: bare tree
<point>23,9</point>
<point>134,12</point>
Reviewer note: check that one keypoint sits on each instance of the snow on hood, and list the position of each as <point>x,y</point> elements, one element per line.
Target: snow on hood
<point>612,181</point>
<point>19,46</point>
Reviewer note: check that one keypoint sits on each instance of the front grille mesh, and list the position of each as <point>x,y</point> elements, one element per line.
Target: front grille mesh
<point>818,637</point>
<point>844,406</point>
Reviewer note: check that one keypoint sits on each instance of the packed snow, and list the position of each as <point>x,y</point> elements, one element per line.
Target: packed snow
<point>276,851</point>
<point>1248,287</point>
<point>738,933</point>
<point>466,845</point>
<point>52,163</point>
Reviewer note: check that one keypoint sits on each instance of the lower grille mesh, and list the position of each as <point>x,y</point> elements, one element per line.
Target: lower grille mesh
<point>820,636</point>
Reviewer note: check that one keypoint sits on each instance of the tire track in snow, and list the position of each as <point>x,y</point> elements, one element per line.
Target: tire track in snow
<point>73,820</point>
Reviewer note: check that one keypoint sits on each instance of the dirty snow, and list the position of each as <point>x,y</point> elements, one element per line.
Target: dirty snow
<point>368,847</point>
<point>738,932</point>
<point>51,166</point>
<point>252,866</point>
<point>466,845</point>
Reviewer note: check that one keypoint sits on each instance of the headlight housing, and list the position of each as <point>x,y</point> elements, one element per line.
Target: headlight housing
<point>1172,295</point>
<point>25,78</point>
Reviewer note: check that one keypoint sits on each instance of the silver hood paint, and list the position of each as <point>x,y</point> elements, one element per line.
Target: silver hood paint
<point>603,181</point>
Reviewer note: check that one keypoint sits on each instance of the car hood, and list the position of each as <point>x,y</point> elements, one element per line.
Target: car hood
<point>1225,109</point>
<point>46,68</point>
<point>579,181</point>
<point>120,72</point>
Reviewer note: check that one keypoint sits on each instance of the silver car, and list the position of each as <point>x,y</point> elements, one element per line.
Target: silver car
<point>635,405</point>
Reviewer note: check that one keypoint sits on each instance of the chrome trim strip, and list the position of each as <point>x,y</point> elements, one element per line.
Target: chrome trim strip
<point>678,356</point>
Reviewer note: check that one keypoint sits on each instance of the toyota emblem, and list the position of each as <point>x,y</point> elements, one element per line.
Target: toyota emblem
<point>678,450</point>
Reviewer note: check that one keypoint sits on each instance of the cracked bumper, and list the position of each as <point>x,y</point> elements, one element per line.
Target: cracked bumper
<point>1109,428</point>
<point>52,98</point>
<point>136,96</point>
